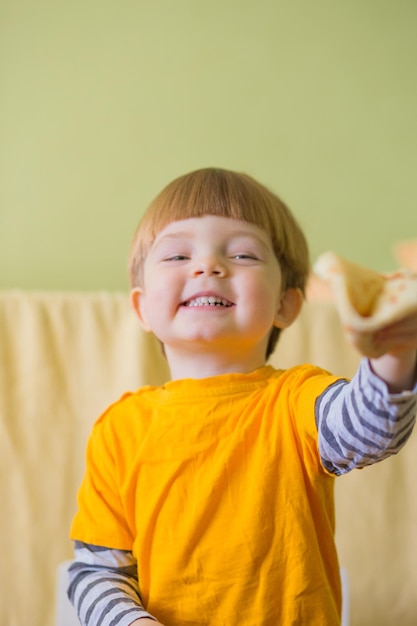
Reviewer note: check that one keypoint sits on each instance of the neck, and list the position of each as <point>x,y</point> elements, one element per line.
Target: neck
<point>204,364</point>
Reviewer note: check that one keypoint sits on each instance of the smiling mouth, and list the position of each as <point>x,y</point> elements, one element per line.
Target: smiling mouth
<point>208,301</point>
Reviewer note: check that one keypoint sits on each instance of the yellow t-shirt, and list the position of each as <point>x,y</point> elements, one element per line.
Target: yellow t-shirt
<point>217,488</point>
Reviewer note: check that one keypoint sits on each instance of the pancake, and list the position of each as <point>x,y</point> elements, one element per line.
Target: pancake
<point>366,300</point>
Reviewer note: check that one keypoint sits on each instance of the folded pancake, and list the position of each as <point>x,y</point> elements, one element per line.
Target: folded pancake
<point>367,301</point>
<point>362,286</point>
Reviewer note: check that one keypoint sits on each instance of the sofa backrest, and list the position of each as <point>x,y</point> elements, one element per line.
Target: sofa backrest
<point>64,357</point>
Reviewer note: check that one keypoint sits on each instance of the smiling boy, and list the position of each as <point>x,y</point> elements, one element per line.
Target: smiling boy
<point>213,293</point>
<point>209,500</point>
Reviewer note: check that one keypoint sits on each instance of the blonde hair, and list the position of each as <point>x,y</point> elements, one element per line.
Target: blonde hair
<point>225,193</point>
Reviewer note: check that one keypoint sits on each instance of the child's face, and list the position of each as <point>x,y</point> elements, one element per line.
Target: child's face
<point>213,282</point>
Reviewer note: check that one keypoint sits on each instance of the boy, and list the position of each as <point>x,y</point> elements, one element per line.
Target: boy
<point>209,500</point>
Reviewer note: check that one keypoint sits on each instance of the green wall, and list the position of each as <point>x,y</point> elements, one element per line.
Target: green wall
<point>103,102</point>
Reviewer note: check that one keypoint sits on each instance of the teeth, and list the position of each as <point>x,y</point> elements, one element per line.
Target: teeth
<point>208,301</point>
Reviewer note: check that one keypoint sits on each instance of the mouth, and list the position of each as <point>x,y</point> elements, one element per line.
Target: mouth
<point>211,301</point>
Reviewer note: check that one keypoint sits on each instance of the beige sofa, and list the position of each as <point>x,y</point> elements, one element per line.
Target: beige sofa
<point>64,357</point>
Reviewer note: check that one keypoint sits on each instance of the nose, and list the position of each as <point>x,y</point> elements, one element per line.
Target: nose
<point>210,266</point>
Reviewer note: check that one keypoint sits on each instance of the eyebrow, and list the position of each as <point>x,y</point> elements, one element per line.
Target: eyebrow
<point>187,234</point>
<point>177,235</point>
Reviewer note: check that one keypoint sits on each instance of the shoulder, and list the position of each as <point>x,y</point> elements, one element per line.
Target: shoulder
<point>130,413</point>
<point>300,374</point>
<point>301,383</point>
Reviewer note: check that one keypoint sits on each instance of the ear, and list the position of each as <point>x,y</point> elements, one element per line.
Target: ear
<point>137,300</point>
<point>290,305</point>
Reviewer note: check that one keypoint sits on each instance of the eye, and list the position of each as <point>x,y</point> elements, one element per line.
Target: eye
<point>177,257</point>
<point>245,257</point>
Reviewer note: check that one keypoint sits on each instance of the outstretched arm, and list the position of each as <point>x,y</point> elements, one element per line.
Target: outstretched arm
<point>362,422</point>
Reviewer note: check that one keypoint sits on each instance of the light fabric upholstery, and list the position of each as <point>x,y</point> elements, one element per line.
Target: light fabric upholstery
<point>65,356</point>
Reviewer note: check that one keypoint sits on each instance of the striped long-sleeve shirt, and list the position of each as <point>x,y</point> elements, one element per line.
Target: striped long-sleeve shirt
<point>359,423</point>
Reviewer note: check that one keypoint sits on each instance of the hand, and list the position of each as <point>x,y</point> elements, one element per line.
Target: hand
<point>398,346</point>
<point>400,336</point>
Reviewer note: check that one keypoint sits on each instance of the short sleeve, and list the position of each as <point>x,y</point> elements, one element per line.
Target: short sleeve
<point>101,517</point>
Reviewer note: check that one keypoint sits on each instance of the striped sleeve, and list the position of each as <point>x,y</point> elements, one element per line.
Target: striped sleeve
<point>103,586</point>
<point>360,422</point>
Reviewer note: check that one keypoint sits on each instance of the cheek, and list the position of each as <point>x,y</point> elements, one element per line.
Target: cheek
<point>263,302</point>
<point>162,292</point>
<point>272,303</point>
<point>267,289</point>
